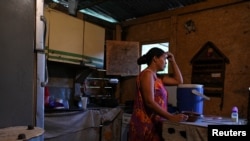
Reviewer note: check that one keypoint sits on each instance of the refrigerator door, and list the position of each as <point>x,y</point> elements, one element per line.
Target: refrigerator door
<point>41,66</point>
<point>18,78</point>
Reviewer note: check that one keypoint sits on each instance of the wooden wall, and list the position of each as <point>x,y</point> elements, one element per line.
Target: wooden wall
<point>225,23</point>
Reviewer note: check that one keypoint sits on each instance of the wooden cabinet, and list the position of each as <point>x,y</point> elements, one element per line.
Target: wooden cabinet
<point>94,44</point>
<point>185,131</point>
<point>74,40</point>
<point>65,37</point>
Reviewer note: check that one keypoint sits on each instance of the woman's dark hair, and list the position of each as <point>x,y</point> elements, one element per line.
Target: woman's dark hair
<point>148,57</point>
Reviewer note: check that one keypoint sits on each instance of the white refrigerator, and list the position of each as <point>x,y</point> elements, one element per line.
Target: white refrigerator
<point>23,63</point>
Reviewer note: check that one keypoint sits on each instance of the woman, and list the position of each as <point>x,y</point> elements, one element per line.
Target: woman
<point>150,105</point>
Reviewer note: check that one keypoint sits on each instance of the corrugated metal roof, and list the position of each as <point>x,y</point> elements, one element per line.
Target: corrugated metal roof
<point>123,10</point>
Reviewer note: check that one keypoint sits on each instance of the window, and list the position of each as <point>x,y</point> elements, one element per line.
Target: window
<point>147,47</point>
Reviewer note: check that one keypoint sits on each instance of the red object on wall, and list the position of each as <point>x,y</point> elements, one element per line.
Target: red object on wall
<point>46,96</point>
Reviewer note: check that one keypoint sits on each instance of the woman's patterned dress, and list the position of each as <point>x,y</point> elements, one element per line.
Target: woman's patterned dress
<point>144,124</point>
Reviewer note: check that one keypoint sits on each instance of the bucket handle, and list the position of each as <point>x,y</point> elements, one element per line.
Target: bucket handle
<point>199,94</point>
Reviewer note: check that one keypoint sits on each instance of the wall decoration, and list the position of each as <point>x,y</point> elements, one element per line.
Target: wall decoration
<point>190,26</point>
<point>209,66</point>
<point>121,57</point>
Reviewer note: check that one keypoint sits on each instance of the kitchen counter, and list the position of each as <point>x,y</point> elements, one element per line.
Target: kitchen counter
<point>204,122</point>
<point>89,125</point>
<point>194,131</point>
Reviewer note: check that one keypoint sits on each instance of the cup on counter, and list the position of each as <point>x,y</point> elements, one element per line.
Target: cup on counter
<point>84,102</point>
<point>66,104</point>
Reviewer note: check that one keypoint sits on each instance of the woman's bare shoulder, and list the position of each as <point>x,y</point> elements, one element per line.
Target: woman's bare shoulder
<point>147,74</point>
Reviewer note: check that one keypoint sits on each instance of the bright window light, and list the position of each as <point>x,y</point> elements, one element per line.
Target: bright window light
<point>147,47</point>
<point>97,15</point>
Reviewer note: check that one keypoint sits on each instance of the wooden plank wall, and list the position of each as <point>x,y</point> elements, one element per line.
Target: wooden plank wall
<point>226,23</point>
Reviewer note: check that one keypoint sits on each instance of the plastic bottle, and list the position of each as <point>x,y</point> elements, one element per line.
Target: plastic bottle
<point>234,114</point>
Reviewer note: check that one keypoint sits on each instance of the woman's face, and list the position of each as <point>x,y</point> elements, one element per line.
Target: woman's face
<point>161,61</point>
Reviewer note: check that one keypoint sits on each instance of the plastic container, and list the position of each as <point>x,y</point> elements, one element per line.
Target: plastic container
<point>187,101</point>
<point>234,114</point>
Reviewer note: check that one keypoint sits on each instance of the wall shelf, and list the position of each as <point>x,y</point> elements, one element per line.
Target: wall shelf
<point>208,69</point>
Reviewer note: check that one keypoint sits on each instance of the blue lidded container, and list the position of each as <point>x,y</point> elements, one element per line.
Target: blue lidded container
<point>187,101</point>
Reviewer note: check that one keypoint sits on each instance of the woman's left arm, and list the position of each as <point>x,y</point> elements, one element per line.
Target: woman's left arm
<point>177,76</point>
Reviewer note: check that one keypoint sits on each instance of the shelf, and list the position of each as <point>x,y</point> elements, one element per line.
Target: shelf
<point>209,70</point>
<point>93,78</point>
<point>93,87</point>
<point>97,87</point>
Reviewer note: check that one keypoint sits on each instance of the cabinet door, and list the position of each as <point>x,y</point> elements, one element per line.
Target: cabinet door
<point>65,37</point>
<point>94,38</point>
<point>122,57</point>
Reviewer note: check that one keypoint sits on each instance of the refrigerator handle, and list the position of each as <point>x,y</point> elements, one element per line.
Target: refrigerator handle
<point>43,84</point>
